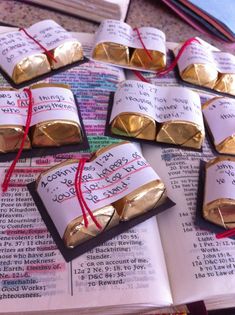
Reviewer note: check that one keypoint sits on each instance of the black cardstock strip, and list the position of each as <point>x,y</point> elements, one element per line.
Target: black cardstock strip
<point>199,219</point>
<point>71,253</point>
<point>39,152</point>
<point>110,134</point>
<point>198,87</point>
<point>43,76</point>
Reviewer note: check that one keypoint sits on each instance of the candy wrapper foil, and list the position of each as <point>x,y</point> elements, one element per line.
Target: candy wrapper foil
<point>227,146</point>
<point>226,83</point>
<point>66,53</point>
<point>112,53</point>
<point>181,133</point>
<point>220,211</point>
<point>76,233</point>
<point>134,125</point>
<point>30,67</point>
<point>55,133</point>
<point>140,59</point>
<point>141,200</point>
<point>200,74</point>
<point>11,138</point>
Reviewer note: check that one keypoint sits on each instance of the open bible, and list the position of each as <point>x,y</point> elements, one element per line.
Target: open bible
<point>160,264</point>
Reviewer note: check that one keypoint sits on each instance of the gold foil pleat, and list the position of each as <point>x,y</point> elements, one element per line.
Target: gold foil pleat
<point>66,54</point>
<point>181,133</point>
<point>141,200</point>
<point>11,137</point>
<point>140,59</point>
<point>200,74</point>
<point>76,233</point>
<point>30,67</point>
<point>226,83</point>
<point>112,53</point>
<point>227,146</point>
<point>55,133</point>
<point>134,125</point>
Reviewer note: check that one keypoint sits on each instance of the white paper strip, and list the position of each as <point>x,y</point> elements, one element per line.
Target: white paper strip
<point>220,117</point>
<point>161,103</point>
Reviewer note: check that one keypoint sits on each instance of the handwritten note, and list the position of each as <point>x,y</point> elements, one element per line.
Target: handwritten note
<point>195,53</point>
<point>121,33</point>
<point>52,103</point>
<point>161,103</point>
<point>111,176</point>
<point>14,47</point>
<point>49,103</point>
<point>220,180</point>
<point>49,34</point>
<point>220,116</point>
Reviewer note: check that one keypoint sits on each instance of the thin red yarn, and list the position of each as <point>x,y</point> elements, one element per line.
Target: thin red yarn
<point>142,43</point>
<point>47,52</point>
<point>227,233</point>
<point>140,76</point>
<point>10,171</point>
<point>81,199</point>
<point>174,63</point>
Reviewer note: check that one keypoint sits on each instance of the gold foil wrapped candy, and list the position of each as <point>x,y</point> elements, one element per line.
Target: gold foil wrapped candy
<point>30,67</point>
<point>134,125</point>
<point>66,54</point>
<point>200,74</point>
<point>225,83</point>
<point>220,211</point>
<point>11,137</point>
<point>140,59</point>
<point>55,132</point>
<point>142,199</point>
<point>182,133</point>
<point>76,232</point>
<point>112,52</point>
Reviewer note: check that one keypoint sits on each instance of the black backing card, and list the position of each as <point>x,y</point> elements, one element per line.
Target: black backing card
<point>43,76</point>
<point>38,152</point>
<point>199,219</point>
<point>156,143</point>
<point>71,253</point>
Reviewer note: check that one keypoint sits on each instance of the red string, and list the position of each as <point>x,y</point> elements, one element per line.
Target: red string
<point>142,43</point>
<point>140,76</point>
<point>174,63</point>
<point>227,233</point>
<point>81,199</point>
<point>10,171</point>
<point>77,188</point>
<point>47,52</point>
